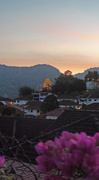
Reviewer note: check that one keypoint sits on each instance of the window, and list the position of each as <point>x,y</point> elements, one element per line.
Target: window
<point>82,100</point>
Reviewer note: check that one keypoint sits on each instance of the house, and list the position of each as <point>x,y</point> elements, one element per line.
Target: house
<point>92,84</point>
<point>83,99</point>
<point>40,96</point>
<point>93,98</point>
<point>4,100</point>
<point>69,104</point>
<point>89,98</point>
<point>66,97</point>
<point>22,100</point>
<point>32,108</point>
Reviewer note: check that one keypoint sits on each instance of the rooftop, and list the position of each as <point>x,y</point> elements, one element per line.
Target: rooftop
<point>56,112</point>
<point>33,105</point>
<point>68,102</point>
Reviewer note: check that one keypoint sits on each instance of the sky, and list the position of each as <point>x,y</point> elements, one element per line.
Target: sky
<point>61,33</point>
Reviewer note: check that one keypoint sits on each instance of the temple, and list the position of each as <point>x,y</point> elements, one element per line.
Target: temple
<point>47,84</point>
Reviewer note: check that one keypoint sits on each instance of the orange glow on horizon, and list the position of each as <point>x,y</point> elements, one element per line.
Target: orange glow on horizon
<point>74,68</point>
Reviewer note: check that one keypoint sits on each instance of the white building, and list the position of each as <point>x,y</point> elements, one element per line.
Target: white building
<point>21,101</point>
<point>89,99</point>
<point>91,85</point>
<point>32,108</point>
<point>40,96</point>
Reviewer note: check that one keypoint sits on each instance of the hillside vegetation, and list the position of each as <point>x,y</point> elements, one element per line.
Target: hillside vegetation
<point>12,78</point>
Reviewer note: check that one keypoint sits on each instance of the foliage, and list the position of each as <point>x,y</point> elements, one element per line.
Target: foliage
<point>68,84</point>
<point>70,156</point>
<point>50,103</point>
<point>9,111</point>
<point>92,75</point>
<point>68,72</point>
<point>25,91</point>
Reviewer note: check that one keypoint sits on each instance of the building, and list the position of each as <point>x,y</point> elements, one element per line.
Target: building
<point>40,96</point>
<point>21,100</point>
<point>69,104</point>
<point>32,108</point>
<point>89,98</point>
<point>92,84</point>
<point>47,84</point>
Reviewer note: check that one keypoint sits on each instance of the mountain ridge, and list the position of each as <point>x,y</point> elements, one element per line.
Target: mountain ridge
<point>82,75</point>
<point>13,77</point>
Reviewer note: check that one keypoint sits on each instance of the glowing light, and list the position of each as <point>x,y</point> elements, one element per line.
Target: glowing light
<point>11,102</point>
<point>47,84</point>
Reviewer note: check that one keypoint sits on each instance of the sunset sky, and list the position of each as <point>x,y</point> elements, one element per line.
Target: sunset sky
<point>61,33</point>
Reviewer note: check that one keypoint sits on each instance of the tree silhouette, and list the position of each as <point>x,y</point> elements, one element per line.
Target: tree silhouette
<point>68,72</point>
<point>25,91</point>
<point>50,103</point>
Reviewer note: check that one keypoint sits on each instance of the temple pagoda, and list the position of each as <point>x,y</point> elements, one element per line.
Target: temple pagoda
<point>47,84</point>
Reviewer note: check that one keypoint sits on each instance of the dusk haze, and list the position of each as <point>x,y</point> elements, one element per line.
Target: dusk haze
<point>61,33</point>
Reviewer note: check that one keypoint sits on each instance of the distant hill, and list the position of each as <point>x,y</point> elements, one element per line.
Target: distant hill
<point>12,78</point>
<point>82,75</point>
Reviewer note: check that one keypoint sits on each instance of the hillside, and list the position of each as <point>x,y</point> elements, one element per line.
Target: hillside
<point>82,75</point>
<point>12,78</point>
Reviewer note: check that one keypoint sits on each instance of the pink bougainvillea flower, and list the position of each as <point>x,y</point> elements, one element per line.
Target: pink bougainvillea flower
<point>51,147</point>
<point>70,154</point>
<point>85,143</point>
<point>2,160</point>
<point>41,148</point>
<point>94,175</point>
<point>52,177</point>
<point>45,163</point>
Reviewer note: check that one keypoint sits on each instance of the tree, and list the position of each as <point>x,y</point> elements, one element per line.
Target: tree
<point>25,91</point>
<point>67,84</point>
<point>50,103</point>
<point>77,85</point>
<point>68,72</point>
<point>9,111</point>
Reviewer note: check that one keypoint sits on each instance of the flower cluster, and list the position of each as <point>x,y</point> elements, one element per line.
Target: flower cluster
<point>70,156</point>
